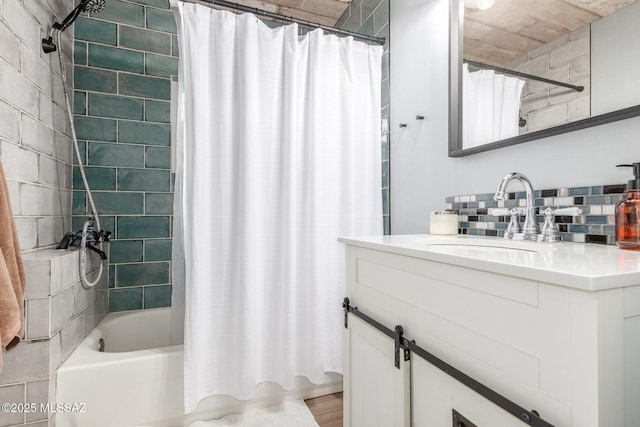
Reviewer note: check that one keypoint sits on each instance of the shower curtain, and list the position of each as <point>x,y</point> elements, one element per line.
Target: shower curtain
<point>491,106</point>
<point>281,156</point>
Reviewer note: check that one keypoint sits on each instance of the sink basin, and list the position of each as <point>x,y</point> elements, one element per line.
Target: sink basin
<point>485,245</point>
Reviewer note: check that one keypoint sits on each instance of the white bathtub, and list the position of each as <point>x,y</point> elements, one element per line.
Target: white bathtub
<point>138,379</point>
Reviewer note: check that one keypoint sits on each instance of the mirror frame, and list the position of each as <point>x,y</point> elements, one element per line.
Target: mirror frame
<point>456,39</point>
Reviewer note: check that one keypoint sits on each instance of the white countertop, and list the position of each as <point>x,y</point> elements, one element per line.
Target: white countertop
<point>583,266</point>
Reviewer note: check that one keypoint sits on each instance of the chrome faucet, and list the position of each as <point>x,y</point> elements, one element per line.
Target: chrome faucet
<point>530,228</point>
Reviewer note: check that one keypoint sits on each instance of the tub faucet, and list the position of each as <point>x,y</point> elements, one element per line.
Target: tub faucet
<point>530,228</point>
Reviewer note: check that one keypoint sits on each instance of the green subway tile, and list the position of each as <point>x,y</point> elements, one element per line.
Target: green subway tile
<point>119,107</point>
<point>157,157</point>
<point>381,15</point>
<point>156,3</point>
<point>157,250</point>
<point>162,66</point>
<point>94,129</point>
<point>384,32</point>
<point>158,204</point>
<point>123,13</point>
<point>125,299</point>
<point>385,65</point>
<point>95,80</point>
<point>78,221</point>
<point>147,87</point>
<point>157,296</point>
<point>385,93</point>
<point>125,251</point>
<point>148,273</point>
<point>272,24</point>
<point>367,27</point>
<point>80,103</point>
<point>116,59</point>
<point>144,133</point>
<point>107,223</point>
<point>175,50</point>
<point>98,178</point>
<point>145,40</point>
<point>95,31</point>
<point>143,180</point>
<point>161,20</point>
<point>82,146</point>
<point>79,203</point>
<point>79,53</point>
<point>157,111</point>
<point>121,155</point>
<point>118,202</point>
<point>112,276</point>
<point>131,227</point>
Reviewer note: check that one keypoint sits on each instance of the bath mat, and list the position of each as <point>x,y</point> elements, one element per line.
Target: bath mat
<point>289,414</point>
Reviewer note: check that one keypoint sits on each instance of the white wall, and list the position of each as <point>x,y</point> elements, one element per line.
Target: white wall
<point>422,174</point>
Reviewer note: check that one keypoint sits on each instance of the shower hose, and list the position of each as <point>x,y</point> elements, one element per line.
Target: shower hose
<point>93,222</point>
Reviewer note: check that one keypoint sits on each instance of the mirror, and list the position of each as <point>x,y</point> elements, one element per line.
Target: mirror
<point>563,44</point>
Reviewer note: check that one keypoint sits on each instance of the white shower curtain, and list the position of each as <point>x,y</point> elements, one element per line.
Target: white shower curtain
<point>281,156</point>
<point>491,106</point>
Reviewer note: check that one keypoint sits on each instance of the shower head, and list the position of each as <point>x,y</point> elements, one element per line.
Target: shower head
<point>48,45</point>
<point>94,6</point>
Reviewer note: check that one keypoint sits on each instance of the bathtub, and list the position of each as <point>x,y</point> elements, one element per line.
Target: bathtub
<point>138,380</point>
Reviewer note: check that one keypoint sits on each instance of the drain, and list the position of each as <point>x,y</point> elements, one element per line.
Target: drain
<point>101,344</point>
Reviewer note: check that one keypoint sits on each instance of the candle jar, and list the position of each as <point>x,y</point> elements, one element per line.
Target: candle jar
<point>443,222</point>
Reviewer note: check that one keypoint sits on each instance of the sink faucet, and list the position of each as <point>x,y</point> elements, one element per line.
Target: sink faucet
<point>530,228</point>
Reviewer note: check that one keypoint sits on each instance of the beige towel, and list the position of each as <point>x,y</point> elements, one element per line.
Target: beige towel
<point>12,278</point>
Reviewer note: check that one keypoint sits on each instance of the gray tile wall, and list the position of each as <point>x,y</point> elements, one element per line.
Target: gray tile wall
<point>35,151</point>
<point>371,17</point>
<point>35,147</point>
<point>59,313</point>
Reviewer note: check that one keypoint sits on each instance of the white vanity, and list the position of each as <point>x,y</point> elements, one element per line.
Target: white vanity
<point>553,328</point>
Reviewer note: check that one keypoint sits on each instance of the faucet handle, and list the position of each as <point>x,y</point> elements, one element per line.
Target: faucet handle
<point>514,224</point>
<point>550,231</point>
<point>500,211</point>
<point>572,211</point>
<point>507,211</point>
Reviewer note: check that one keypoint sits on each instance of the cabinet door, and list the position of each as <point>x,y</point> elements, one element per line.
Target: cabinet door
<point>376,393</point>
<point>435,396</point>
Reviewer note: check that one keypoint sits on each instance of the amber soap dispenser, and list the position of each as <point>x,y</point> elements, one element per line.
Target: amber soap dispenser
<point>628,213</point>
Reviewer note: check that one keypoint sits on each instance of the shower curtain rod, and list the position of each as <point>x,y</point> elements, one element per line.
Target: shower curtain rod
<point>309,24</point>
<point>525,75</point>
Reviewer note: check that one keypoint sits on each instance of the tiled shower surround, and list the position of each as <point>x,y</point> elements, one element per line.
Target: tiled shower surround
<point>124,58</point>
<point>595,225</point>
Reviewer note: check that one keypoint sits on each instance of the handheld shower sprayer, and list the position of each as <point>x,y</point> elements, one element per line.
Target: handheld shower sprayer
<point>91,237</point>
<point>93,6</point>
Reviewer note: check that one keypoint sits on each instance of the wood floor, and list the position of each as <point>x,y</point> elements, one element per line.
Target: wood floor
<point>327,410</point>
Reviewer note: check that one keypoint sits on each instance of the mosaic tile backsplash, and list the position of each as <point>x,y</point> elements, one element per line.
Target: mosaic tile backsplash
<point>595,225</point>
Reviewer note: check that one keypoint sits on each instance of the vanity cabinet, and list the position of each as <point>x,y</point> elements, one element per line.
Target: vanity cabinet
<point>555,330</point>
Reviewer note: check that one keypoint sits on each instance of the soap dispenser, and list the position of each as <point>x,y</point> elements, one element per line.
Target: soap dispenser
<point>628,213</point>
